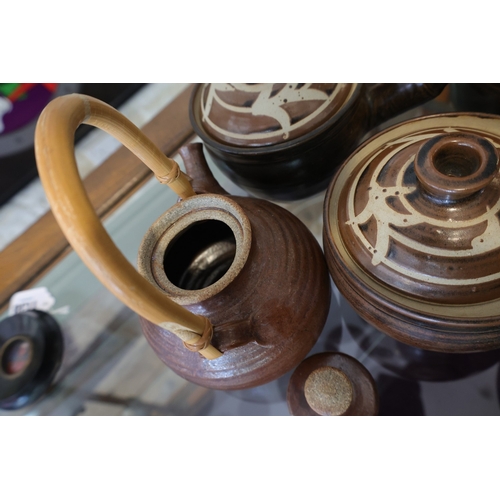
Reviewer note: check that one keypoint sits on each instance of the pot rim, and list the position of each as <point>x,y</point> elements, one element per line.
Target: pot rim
<point>273,148</point>
<point>177,219</point>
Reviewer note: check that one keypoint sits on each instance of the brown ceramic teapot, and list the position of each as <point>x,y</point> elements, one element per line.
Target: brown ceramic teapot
<point>232,292</point>
<point>285,141</point>
<point>412,232</point>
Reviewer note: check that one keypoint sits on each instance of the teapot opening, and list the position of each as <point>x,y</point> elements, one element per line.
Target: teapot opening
<point>200,255</point>
<point>196,248</point>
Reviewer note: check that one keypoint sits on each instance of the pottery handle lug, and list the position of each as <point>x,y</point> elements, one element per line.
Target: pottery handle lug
<point>387,100</point>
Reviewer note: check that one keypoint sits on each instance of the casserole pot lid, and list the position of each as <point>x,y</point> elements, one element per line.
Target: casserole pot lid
<point>417,209</point>
<point>263,114</point>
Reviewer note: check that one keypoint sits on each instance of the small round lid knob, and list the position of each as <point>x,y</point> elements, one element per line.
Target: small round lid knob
<point>456,165</point>
<point>332,384</point>
<point>328,391</point>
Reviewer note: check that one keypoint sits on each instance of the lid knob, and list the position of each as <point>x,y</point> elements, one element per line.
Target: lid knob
<point>454,166</point>
<point>332,384</point>
<point>328,391</point>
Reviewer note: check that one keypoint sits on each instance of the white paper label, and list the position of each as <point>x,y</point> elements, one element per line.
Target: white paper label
<point>36,298</point>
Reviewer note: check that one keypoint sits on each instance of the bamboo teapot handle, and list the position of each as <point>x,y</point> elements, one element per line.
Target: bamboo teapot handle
<point>55,157</point>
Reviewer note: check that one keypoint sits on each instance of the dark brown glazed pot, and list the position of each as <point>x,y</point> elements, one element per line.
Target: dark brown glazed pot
<point>412,233</point>
<point>332,384</point>
<point>268,314</point>
<point>413,363</point>
<point>477,97</point>
<point>285,141</point>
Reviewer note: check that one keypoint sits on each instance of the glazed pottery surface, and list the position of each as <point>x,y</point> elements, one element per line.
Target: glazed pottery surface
<point>416,364</point>
<point>412,233</point>
<point>269,307</point>
<point>477,97</point>
<point>263,114</point>
<point>285,141</point>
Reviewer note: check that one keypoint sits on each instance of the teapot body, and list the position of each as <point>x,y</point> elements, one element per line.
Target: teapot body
<point>266,317</point>
<point>258,275</point>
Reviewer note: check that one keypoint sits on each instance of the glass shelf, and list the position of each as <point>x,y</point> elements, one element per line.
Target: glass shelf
<point>109,369</point>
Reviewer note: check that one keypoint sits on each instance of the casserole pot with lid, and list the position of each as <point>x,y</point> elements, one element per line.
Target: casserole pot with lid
<point>412,232</point>
<point>284,141</point>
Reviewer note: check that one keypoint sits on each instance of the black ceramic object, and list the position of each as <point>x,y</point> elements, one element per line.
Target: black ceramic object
<point>31,349</point>
<point>477,97</point>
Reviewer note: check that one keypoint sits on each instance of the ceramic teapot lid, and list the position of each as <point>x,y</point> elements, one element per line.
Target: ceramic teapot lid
<point>263,114</point>
<point>332,384</point>
<point>412,228</point>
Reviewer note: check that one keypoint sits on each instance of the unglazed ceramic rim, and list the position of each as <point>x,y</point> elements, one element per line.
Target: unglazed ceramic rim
<point>386,295</point>
<point>258,150</point>
<point>364,388</point>
<point>203,207</point>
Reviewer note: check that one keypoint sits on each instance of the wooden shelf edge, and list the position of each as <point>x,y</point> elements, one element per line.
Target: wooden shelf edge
<point>42,245</point>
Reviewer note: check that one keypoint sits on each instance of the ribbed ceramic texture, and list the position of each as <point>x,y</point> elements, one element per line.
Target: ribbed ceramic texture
<point>276,306</point>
